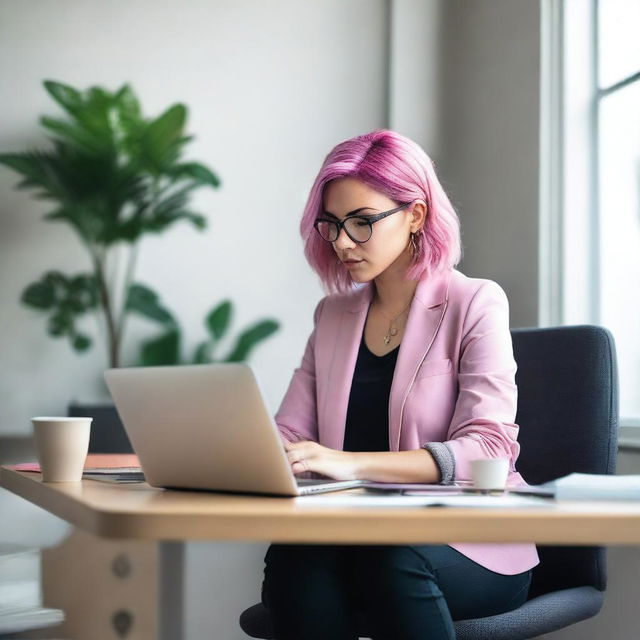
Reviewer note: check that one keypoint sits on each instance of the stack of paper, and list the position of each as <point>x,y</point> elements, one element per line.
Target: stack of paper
<point>20,596</point>
<point>592,486</point>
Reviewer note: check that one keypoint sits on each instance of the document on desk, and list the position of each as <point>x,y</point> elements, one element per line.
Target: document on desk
<point>363,499</point>
<point>121,475</point>
<point>455,489</point>
<point>592,486</point>
<point>117,468</point>
<point>96,463</point>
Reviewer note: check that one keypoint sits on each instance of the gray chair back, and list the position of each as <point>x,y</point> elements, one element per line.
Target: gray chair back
<point>568,416</point>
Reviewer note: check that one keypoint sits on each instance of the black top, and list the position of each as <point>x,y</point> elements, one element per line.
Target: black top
<point>367,427</point>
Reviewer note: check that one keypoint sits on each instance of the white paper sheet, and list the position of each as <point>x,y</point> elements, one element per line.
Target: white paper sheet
<point>362,500</point>
<point>591,486</point>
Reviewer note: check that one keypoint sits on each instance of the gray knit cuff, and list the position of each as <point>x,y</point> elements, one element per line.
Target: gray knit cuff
<point>444,459</point>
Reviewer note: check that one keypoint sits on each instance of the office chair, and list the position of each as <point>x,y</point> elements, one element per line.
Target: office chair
<point>568,415</point>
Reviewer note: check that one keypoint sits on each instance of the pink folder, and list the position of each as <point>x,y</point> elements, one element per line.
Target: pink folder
<point>94,461</point>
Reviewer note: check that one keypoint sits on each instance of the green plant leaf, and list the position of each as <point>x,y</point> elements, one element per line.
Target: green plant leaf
<point>171,208</point>
<point>144,301</point>
<point>91,111</point>
<point>67,97</point>
<point>59,283</point>
<point>56,278</point>
<point>70,295</point>
<point>159,223</point>
<point>173,201</point>
<point>81,342</point>
<point>65,297</point>
<point>38,173</point>
<point>140,292</point>
<point>250,337</point>
<point>128,103</point>
<point>83,290</point>
<point>198,172</point>
<point>197,220</point>
<point>96,114</point>
<point>19,162</point>
<point>72,306</point>
<point>73,134</point>
<point>39,295</point>
<point>164,350</point>
<point>161,139</point>
<point>202,353</point>
<point>218,319</point>
<point>60,324</point>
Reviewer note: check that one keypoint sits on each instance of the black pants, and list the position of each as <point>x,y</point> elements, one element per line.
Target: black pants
<point>400,592</point>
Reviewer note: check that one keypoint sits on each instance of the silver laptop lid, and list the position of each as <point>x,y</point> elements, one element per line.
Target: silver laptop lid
<point>202,427</point>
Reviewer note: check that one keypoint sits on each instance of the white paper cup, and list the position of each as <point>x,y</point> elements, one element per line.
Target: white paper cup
<point>490,473</point>
<point>62,445</point>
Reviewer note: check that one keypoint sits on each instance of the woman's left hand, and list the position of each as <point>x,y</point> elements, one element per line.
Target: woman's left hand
<point>311,456</point>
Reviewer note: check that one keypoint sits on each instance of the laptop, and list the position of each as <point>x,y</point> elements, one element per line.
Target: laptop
<point>207,427</point>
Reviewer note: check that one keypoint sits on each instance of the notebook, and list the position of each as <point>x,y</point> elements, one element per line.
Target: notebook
<point>206,427</point>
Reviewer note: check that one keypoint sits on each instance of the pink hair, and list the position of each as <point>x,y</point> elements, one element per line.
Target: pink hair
<point>400,169</point>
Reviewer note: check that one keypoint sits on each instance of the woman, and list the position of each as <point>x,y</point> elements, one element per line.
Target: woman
<point>405,379</point>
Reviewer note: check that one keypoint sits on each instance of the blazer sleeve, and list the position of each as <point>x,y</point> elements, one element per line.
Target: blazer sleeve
<point>483,420</point>
<point>297,417</point>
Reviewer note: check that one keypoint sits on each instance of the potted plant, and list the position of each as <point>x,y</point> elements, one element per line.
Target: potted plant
<point>113,176</point>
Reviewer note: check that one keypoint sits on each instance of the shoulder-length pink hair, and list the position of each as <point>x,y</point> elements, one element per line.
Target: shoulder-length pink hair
<point>399,168</point>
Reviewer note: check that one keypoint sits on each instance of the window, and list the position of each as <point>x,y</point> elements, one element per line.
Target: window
<point>590,176</point>
<point>617,148</point>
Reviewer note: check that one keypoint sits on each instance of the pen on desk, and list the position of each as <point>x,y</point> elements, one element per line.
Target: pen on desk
<point>539,493</point>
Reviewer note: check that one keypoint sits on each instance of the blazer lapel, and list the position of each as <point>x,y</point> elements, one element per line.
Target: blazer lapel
<point>347,336</point>
<point>425,316</point>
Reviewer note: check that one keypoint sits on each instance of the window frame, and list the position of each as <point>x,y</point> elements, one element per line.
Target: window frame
<point>569,217</point>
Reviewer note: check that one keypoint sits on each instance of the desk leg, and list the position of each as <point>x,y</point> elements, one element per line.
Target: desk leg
<point>171,591</point>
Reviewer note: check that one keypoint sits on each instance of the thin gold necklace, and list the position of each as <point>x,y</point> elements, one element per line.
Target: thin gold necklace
<point>393,329</point>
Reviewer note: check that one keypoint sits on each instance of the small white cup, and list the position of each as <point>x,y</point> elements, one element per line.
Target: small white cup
<point>62,445</point>
<point>490,473</point>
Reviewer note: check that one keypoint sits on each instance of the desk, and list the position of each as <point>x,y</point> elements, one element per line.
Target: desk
<point>170,517</point>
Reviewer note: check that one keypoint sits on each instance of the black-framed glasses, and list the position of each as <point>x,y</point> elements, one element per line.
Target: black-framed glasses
<point>358,228</point>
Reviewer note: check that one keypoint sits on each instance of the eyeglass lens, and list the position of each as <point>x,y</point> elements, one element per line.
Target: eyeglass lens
<point>358,229</point>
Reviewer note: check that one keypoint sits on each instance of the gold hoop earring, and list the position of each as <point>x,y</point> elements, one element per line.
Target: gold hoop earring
<point>414,244</point>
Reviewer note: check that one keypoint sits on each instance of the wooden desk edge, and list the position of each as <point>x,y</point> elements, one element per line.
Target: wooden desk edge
<point>336,525</point>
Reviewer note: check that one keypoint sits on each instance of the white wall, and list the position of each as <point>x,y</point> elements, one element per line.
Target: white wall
<point>271,87</point>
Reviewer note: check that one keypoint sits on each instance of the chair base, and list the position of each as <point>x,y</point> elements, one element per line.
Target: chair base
<point>544,614</point>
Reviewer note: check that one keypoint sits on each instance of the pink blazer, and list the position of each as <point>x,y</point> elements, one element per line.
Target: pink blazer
<point>454,382</point>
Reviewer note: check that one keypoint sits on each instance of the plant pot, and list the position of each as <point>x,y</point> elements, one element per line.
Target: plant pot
<point>107,433</point>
